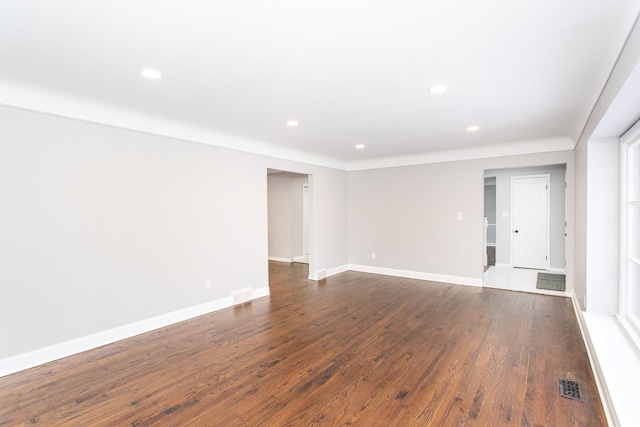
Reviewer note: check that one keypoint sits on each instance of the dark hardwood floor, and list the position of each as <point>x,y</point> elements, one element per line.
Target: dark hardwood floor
<point>354,349</point>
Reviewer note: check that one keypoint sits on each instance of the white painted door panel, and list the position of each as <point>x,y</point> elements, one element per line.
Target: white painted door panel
<point>530,221</point>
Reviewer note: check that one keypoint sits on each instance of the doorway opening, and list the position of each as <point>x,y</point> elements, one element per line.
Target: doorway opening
<point>527,209</point>
<point>289,200</point>
<point>489,222</point>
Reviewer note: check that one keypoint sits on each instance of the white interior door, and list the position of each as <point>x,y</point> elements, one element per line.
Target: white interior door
<point>530,229</point>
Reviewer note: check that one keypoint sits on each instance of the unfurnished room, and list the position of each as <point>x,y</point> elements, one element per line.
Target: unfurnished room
<point>297,213</point>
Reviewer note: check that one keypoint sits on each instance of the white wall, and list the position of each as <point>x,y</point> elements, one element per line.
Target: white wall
<point>408,215</point>
<point>102,227</point>
<point>596,226</point>
<point>285,215</point>
<point>280,212</point>
<point>580,225</point>
<point>556,216</point>
<point>602,226</point>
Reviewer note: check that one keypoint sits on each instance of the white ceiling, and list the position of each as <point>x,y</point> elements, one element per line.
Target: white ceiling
<point>350,71</point>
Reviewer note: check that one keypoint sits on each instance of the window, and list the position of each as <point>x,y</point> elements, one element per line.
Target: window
<point>629,307</point>
<point>633,231</point>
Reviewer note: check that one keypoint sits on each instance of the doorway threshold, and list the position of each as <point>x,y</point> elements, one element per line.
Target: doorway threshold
<point>517,279</point>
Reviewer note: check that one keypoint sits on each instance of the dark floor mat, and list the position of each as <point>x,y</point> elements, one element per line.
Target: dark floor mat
<point>551,282</point>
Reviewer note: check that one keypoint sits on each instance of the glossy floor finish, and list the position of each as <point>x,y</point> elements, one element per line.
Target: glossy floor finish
<point>355,349</point>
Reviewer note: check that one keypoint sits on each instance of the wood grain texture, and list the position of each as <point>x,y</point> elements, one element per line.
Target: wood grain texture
<point>355,349</point>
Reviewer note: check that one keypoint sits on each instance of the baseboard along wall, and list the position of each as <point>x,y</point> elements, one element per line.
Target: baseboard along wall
<point>605,396</point>
<point>279,259</point>
<point>434,277</point>
<point>48,354</point>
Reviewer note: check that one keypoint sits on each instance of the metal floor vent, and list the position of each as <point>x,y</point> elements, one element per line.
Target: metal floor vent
<point>570,389</point>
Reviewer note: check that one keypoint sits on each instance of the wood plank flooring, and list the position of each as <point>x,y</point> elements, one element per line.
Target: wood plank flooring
<point>352,350</point>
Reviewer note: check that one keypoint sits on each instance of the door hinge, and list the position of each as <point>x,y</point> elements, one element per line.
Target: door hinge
<point>546,187</point>
<point>546,258</point>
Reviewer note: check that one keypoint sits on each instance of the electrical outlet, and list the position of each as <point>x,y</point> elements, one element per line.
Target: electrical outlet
<point>207,284</point>
<point>373,255</point>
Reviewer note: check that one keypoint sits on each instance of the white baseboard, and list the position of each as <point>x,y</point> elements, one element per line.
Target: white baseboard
<point>337,270</point>
<point>457,280</point>
<point>503,265</point>
<point>275,258</point>
<point>607,401</point>
<point>48,354</point>
<point>322,274</point>
<point>551,270</point>
<point>261,292</point>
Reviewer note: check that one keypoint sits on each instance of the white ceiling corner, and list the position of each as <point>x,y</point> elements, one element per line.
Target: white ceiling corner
<point>349,71</point>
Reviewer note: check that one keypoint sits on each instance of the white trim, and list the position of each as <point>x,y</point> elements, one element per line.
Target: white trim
<point>493,245</point>
<point>456,280</point>
<point>514,148</point>
<point>631,135</point>
<point>619,364</point>
<point>275,258</point>
<point>558,270</point>
<point>85,110</point>
<point>630,332</point>
<point>264,291</point>
<point>316,275</point>
<point>57,104</point>
<point>630,140</point>
<point>337,270</point>
<point>48,354</point>
<point>54,103</point>
<point>605,396</point>
<point>622,227</point>
<point>499,264</point>
<point>301,259</point>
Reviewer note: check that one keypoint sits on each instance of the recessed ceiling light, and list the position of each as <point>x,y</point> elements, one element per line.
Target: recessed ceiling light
<point>360,146</point>
<point>292,123</point>
<point>438,89</point>
<point>151,73</point>
<point>473,128</point>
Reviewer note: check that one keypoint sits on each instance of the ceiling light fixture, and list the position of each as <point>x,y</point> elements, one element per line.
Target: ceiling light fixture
<point>151,73</point>
<point>438,89</point>
<point>473,128</point>
<point>360,146</point>
<point>292,123</point>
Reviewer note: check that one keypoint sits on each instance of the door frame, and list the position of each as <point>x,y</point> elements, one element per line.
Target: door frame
<point>548,217</point>
<point>311,236</point>
<point>305,220</point>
